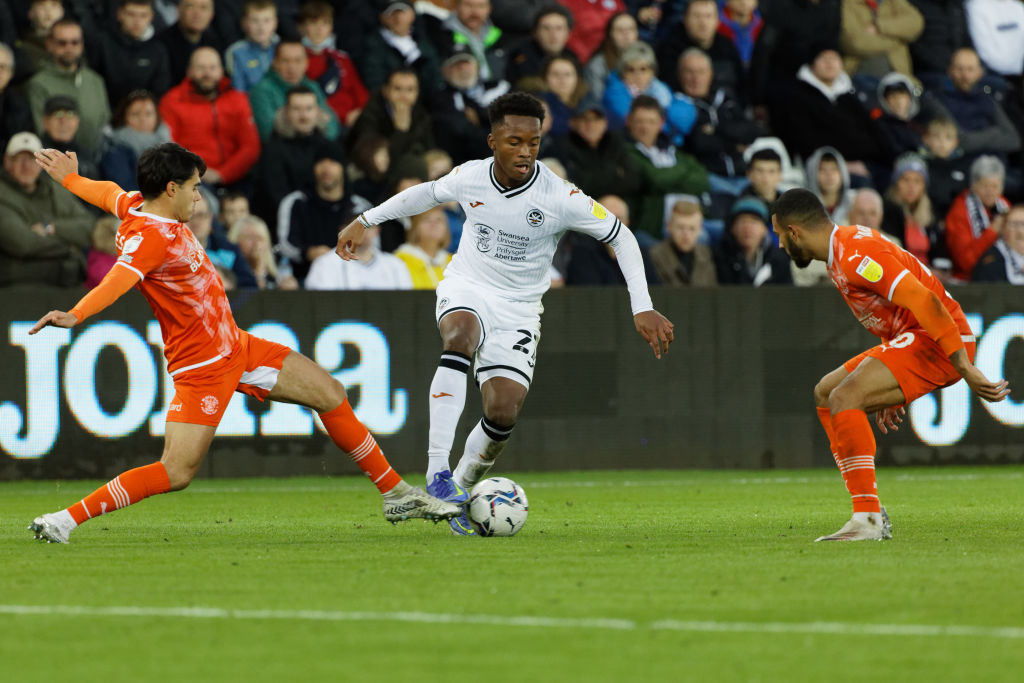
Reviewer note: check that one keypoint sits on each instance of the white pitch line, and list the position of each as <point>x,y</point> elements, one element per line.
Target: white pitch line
<point>807,628</point>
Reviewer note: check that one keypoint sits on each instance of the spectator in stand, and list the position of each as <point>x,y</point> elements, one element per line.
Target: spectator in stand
<point>42,15</point>
<point>248,60</point>
<point>550,33</point>
<point>252,236</point>
<point>945,32</point>
<point>984,126</point>
<point>907,213</point>
<point>369,169</point>
<point>747,255</point>
<point>425,252</point>
<point>286,163</point>
<point>513,17</point>
<point>593,263</point>
<point>371,269</point>
<point>876,36</point>
<point>741,22</point>
<point>829,177</point>
<point>470,24</point>
<point>310,217</point>
<point>948,168</point>
<point>723,128</point>
<point>459,110</point>
<point>699,28</point>
<point>213,239</point>
<point>764,171</point>
<point>680,259</point>
<point>128,57</point>
<point>136,128</point>
<point>60,124</point>
<point>590,18</point>
<point>287,71</point>
<point>564,88</point>
<point>867,208</point>
<point>1004,262</point>
<point>897,114</point>
<point>821,101</point>
<point>209,117</point>
<point>233,205</point>
<point>395,113</point>
<point>44,231</point>
<point>996,28</point>
<point>396,45</point>
<point>191,31</point>
<point>15,115</point>
<point>654,17</point>
<point>65,73</point>
<point>598,160</point>
<point>798,24</point>
<point>635,76</point>
<point>977,217</point>
<point>664,169</point>
<point>103,252</point>
<point>620,33</point>
<point>331,68</point>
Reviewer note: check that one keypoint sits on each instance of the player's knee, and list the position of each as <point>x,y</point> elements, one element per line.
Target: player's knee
<point>502,413</point>
<point>179,477</point>
<point>821,393</point>
<point>334,395</point>
<point>460,341</point>
<point>842,398</point>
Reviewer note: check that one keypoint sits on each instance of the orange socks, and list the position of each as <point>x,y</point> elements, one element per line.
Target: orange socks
<point>856,457</point>
<point>121,491</point>
<point>825,418</point>
<point>351,436</point>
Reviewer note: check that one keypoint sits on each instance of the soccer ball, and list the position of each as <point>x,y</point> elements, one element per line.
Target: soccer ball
<point>497,507</point>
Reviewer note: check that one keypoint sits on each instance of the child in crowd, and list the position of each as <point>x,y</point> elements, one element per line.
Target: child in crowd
<point>103,254</point>
<point>233,205</point>
<point>948,168</point>
<point>248,59</point>
<point>331,68</point>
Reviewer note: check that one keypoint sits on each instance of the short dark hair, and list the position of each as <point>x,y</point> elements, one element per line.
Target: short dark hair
<point>147,3</point>
<point>285,41</point>
<point>767,154</point>
<point>515,104</point>
<point>61,23</point>
<point>315,9</point>
<point>552,9</point>
<point>117,120</point>
<point>800,207</point>
<point>300,89</point>
<point>402,71</point>
<point>166,163</point>
<point>646,102</point>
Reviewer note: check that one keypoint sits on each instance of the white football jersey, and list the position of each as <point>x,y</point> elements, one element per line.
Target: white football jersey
<point>510,234</point>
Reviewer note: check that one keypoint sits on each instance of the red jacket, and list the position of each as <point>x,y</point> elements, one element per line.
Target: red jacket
<point>964,247</point>
<point>221,131</point>
<point>590,17</point>
<point>335,73</point>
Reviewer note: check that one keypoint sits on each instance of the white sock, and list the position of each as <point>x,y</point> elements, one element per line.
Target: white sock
<point>484,444</point>
<point>447,399</point>
<point>65,520</point>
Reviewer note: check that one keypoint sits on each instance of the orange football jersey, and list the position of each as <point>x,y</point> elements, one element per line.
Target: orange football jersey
<point>180,283</point>
<point>866,268</point>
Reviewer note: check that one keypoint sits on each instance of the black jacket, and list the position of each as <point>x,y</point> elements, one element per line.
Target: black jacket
<point>127,64</point>
<point>609,169</point>
<point>376,120</point>
<point>179,50</point>
<point>799,25</point>
<point>286,165</point>
<point>453,131</point>
<point>722,125</point>
<point>733,269</point>
<point>725,60</point>
<point>945,32</point>
<point>315,221</point>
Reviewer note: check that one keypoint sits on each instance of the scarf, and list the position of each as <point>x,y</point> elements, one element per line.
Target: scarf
<point>978,216</point>
<point>405,45</point>
<point>1014,263</point>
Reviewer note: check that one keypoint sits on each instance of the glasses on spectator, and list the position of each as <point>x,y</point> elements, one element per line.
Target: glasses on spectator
<point>638,67</point>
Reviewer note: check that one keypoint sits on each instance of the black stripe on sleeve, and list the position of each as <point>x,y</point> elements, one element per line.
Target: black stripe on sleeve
<point>613,233</point>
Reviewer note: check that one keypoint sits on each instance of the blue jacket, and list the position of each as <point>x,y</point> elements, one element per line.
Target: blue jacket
<point>680,113</point>
<point>246,62</point>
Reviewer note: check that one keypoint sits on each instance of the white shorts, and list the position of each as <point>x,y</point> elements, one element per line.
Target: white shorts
<point>509,330</point>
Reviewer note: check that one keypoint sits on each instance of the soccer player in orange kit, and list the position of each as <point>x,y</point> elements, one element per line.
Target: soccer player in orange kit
<point>208,356</point>
<point>927,345</point>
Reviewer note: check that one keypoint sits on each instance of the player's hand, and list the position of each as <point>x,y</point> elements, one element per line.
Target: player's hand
<point>56,319</point>
<point>992,392</point>
<point>57,164</point>
<point>349,240</point>
<point>889,419</point>
<point>656,329</point>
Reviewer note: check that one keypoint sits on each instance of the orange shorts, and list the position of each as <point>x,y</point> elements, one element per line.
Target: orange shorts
<point>916,361</point>
<point>202,395</point>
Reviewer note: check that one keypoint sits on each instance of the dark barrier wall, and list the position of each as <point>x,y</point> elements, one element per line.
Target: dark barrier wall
<point>735,390</point>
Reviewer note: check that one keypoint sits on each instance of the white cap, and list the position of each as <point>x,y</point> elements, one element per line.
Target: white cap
<point>23,142</point>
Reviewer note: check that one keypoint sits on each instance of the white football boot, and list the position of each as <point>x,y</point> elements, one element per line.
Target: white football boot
<point>53,527</point>
<point>864,526</point>
<point>408,502</point>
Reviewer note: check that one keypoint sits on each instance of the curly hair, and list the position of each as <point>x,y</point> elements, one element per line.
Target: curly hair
<point>514,104</point>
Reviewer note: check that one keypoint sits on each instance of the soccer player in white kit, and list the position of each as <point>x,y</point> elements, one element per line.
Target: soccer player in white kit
<point>489,302</point>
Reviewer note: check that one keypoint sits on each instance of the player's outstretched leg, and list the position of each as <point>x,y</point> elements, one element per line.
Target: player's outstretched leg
<point>447,401</point>
<point>123,490</point>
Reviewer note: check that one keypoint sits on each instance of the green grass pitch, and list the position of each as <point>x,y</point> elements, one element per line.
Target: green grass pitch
<point>617,576</point>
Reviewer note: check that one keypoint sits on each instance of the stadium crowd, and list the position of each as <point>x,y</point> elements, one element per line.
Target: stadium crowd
<point>685,118</point>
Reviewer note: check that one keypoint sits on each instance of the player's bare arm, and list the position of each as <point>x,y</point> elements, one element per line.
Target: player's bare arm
<point>992,392</point>
<point>656,329</point>
<point>349,240</point>
<point>58,165</point>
